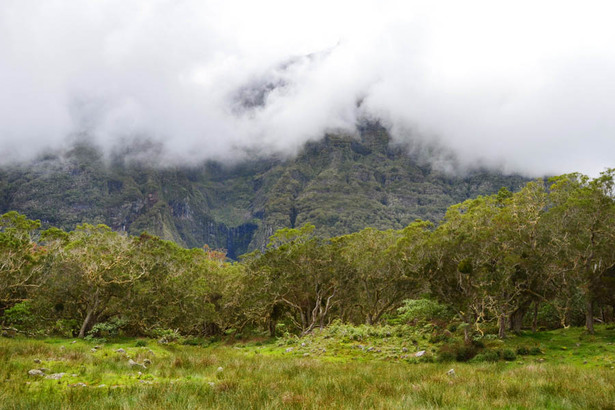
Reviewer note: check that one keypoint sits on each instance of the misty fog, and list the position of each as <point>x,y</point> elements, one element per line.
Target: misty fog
<point>524,87</point>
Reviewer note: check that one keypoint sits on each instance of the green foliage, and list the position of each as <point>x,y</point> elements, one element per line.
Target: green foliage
<point>20,316</point>
<point>423,310</point>
<point>111,328</point>
<point>508,355</point>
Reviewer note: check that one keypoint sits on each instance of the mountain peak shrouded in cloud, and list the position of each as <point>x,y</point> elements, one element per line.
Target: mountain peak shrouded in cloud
<point>525,87</point>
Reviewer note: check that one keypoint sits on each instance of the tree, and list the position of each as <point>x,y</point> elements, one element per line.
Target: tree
<point>97,260</point>
<point>21,259</point>
<point>583,222</point>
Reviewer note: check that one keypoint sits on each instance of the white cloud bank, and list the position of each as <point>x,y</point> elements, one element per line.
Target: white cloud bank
<point>522,86</point>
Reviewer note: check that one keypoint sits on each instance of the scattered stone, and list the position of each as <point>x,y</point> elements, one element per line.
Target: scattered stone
<point>139,374</point>
<point>62,347</point>
<point>36,372</point>
<point>120,350</point>
<point>420,353</point>
<point>290,349</point>
<point>145,382</point>
<point>37,361</point>
<point>74,375</point>
<point>541,360</point>
<point>55,376</point>
<point>451,372</point>
<point>324,350</point>
<point>80,384</point>
<point>132,363</point>
<point>102,385</point>
<point>303,344</point>
<point>212,384</point>
<point>578,344</point>
<point>305,354</point>
<point>73,342</point>
<point>220,369</point>
<point>404,349</point>
<point>147,362</point>
<point>93,350</point>
<point>370,349</point>
<point>97,347</point>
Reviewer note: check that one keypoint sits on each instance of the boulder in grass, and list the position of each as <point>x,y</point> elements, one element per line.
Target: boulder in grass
<point>420,353</point>
<point>451,372</point>
<point>55,376</point>
<point>36,372</point>
<point>134,364</point>
<point>120,350</point>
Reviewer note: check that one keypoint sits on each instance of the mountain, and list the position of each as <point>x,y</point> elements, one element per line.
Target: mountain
<point>340,184</point>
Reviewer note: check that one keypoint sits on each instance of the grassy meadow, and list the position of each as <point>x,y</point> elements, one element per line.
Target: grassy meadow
<point>340,367</point>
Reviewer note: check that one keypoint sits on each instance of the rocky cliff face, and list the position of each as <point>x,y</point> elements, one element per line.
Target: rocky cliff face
<point>340,184</point>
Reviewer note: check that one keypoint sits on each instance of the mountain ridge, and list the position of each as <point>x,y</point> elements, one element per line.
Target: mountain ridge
<point>340,184</point>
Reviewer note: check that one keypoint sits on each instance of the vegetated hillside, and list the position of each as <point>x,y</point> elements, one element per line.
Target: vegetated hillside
<point>340,184</point>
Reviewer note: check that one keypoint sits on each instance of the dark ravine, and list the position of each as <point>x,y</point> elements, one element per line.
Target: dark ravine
<point>340,184</point>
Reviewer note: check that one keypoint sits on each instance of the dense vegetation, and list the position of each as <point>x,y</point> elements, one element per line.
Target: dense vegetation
<point>540,257</point>
<point>342,367</point>
<point>340,184</point>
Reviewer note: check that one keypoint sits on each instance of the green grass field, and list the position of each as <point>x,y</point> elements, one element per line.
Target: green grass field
<point>342,367</point>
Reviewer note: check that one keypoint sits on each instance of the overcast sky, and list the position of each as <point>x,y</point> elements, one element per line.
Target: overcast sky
<point>524,86</point>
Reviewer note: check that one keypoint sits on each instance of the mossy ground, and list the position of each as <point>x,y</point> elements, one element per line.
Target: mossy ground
<point>342,367</point>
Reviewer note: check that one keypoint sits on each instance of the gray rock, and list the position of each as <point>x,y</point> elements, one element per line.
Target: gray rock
<point>404,349</point>
<point>36,372</point>
<point>134,364</point>
<point>80,384</point>
<point>451,372</point>
<point>290,349</point>
<point>147,362</point>
<point>420,353</point>
<point>220,369</point>
<point>55,376</point>
<point>303,344</point>
<point>37,361</point>
<point>120,350</point>
<point>305,354</point>
<point>73,342</point>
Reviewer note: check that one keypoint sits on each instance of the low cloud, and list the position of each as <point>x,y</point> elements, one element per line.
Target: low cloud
<point>522,88</point>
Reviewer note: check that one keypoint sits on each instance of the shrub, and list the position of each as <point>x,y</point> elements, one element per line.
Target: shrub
<point>508,355</point>
<point>465,353</point>
<point>109,328</point>
<point>523,351</point>
<point>491,356</point>
<point>535,351</point>
<point>20,316</point>
<point>423,310</point>
<point>141,343</point>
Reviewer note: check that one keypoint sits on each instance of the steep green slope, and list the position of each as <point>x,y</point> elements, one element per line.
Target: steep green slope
<point>340,184</point>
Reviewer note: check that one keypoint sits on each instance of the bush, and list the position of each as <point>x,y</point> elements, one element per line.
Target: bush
<point>534,351</point>
<point>523,351</point>
<point>491,356</point>
<point>109,328</point>
<point>20,316</point>
<point>508,355</point>
<point>141,343</point>
<point>465,353</point>
<point>423,310</point>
